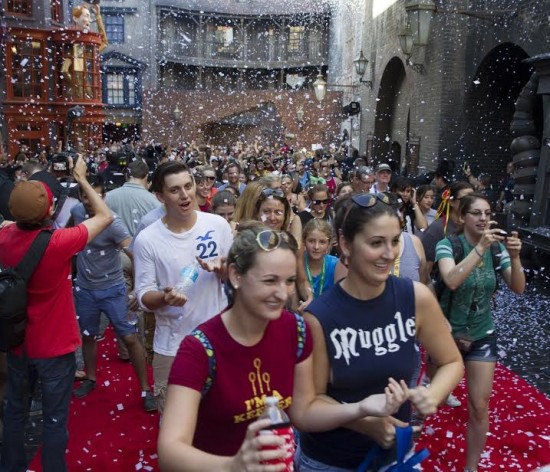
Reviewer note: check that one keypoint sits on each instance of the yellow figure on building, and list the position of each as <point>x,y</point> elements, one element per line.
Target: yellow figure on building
<point>77,69</point>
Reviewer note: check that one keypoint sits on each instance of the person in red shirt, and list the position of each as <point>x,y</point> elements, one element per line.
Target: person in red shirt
<point>52,334</point>
<point>225,369</point>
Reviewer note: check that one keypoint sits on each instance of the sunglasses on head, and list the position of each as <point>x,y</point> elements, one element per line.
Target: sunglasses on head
<point>269,240</point>
<point>367,200</point>
<point>273,192</point>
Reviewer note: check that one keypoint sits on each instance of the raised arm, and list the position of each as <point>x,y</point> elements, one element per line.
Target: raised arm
<point>514,276</point>
<point>102,215</point>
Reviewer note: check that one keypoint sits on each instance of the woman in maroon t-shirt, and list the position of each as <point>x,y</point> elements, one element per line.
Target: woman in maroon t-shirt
<point>226,368</point>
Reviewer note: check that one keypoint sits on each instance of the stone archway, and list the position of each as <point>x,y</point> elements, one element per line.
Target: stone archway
<point>489,108</point>
<point>388,129</point>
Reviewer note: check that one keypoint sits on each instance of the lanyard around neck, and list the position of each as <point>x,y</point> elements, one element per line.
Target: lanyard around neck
<point>319,290</point>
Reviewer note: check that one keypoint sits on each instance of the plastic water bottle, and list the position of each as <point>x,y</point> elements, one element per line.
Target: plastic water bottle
<point>281,426</point>
<point>188,276</point>
<point>132,315</point>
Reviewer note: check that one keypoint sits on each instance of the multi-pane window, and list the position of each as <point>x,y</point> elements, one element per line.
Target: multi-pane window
<point>56,10</point>
<point>19,7</point>
<point>121,89</point>
<point>224,36</point>
<point>295,39</point>
<point>224,43</point>
<point>115,89</point>
<point>114,27</point>
<point>27,68</point>
<point>80,72</point>
<point>131,81</point>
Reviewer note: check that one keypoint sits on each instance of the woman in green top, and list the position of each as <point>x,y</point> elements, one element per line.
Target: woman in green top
<point>468,305</point>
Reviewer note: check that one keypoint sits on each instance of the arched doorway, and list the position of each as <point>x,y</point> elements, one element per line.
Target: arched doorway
<point>489,108</point>
<point>387,125</point>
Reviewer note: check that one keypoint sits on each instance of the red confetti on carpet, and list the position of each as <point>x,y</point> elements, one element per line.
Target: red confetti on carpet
<point>110,431</point>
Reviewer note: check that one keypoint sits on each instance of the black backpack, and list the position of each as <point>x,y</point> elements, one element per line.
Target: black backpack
<point>13,293</point>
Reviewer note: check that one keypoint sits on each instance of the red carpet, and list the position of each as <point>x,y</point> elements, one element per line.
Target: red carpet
<point>110,431</point>
<point>519,435</point>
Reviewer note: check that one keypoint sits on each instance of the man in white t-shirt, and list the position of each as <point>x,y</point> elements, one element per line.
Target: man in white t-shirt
<point>179,243</point>
<point>383,177</point>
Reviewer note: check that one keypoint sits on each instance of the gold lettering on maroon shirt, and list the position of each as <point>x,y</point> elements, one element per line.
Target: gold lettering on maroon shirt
<point>260,386</point>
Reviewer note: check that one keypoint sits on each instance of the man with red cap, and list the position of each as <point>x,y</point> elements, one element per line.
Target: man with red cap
<point>52,334</point>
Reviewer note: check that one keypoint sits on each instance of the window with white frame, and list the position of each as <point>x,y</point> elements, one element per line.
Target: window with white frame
<point>121,88</point>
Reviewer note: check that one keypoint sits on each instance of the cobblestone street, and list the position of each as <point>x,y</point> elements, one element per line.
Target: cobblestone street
<point>523,325</point>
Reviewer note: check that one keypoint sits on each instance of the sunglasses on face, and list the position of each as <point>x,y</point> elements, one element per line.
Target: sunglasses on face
<point>209,178</point>
<point>269,240</point>
<point>273,192</point>
<point>321,202</point>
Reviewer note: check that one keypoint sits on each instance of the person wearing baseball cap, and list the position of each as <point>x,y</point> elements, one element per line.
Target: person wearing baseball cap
<point>383,177</point>
<point>31,203</point>
<point>52,335</point>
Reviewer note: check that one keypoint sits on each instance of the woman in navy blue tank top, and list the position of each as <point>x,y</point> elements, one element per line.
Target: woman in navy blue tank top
<point>364,330</point>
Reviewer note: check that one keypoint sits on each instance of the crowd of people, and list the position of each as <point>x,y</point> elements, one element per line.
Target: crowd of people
<point>310,276</point>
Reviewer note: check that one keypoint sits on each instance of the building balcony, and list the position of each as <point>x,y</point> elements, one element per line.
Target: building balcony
<point>239,54</point>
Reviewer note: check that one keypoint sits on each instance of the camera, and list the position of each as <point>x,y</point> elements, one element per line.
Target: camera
<point>60,161</point>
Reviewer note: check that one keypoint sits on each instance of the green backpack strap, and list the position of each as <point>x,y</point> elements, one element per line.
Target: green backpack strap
<point>203,339</point>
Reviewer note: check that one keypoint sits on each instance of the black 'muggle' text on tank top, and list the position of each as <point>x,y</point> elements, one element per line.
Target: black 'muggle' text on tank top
<point>368,341</point>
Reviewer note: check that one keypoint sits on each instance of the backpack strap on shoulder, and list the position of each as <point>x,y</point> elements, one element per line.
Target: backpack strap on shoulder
<point>301,331</point>
<point>203,339</point>
<point>26,267</point>
<point>456,246</point>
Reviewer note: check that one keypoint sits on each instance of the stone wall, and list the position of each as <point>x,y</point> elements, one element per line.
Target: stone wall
<point>448,107</point>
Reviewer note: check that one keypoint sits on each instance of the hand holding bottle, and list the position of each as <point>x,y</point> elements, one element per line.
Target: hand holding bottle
<point>173,297</point>
<point>254,451</point>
